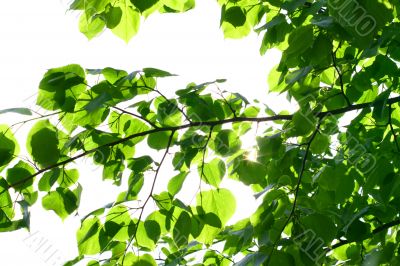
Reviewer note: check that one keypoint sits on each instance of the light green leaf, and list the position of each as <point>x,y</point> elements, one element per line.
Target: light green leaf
<point>9,147</point>
<point>130,21</point>
<point>212,172</point>
<point>219,203</point>
<point>62,201</point>
<point>175,183</point>
<point>88,237</point>
<point>119,224</point>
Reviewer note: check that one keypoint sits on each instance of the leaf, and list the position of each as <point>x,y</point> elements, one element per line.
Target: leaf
<point>88,237</point>
<point>176,182</point>
<point>21,111</point>
<point>159,140</point>
<point>168,113</point>
<point>304,123</point>
<point>182,229</point>
<point>132,260</point>
<point>249,172</point>
<point>91,26</point>
<point>112,16</point>
<point>358,231</point>
<point>226,142</point>
<point>119,225</point>
<point>49,179</point>
<point>62,201</point>
<point>60,87</point>
<point>9,147</point>
<point>320,144</point>
<point>112,75</point>
<point>320,225</point>
<point>144,5</point>
<point>44,134</point>
<point>235,16</point>
<point>177,6</point>
<point>299,40</point>
<point>129,23</point>
<point>153,229</point>
<point>19,176</point>
<point>212,172</point>
<point>6,203</point>
<point>144,237</point>
<point>157,73</point>
<point>220,203</point>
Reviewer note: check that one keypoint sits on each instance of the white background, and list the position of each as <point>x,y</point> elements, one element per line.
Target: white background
<point>38,35</point>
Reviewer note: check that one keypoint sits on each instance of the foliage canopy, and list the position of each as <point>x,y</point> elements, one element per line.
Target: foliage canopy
<point>327,176</point>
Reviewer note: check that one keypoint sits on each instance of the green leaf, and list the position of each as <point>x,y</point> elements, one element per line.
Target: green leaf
<point>235,16</point>
<point>144,5</point>
<point>212,172</point>
<point>44,134</point>
<point>20,174</point>
<point>320,144</point>
<point>153,229</point>
<point>6,203</point>
<point>60,87</point>
<point>119,225</point>
<point>220,203</point>
<point>145,238</point>
<point>21,111</point>
<point>175,183</point>
<point>49,179</point>
<point>132,260</point>
<point>182,229</point>
<point>226,142</point>
<point>113,16</point>
<point>68,178</point>
<point>91,26</point>
<point>129,23</point>
<point>249,172</point>
<point>159,140</point>
<point>303,122</point>
<point>88,237</point>
<point>300,40</point>
<point>9,147</point>
<point>269,147</point>
<point>113,75</point>
<point>321,225</point>
<point>62,201</point>
<point>168,113</point>
<point>135,184</point>
<point>177,6</point>
<point>358,231</point>
<point>157,73</point>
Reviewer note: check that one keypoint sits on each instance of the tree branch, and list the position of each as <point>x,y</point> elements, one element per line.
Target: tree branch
<point>199,124</point>
<point>374,232</point>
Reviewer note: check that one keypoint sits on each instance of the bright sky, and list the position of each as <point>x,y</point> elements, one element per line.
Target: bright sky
<point>38,36</point>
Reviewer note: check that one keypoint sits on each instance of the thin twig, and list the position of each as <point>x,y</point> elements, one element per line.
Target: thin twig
<point>340,78</point>
<point>296,193</point>
<point>135,115</point>
<point>150,194</point>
